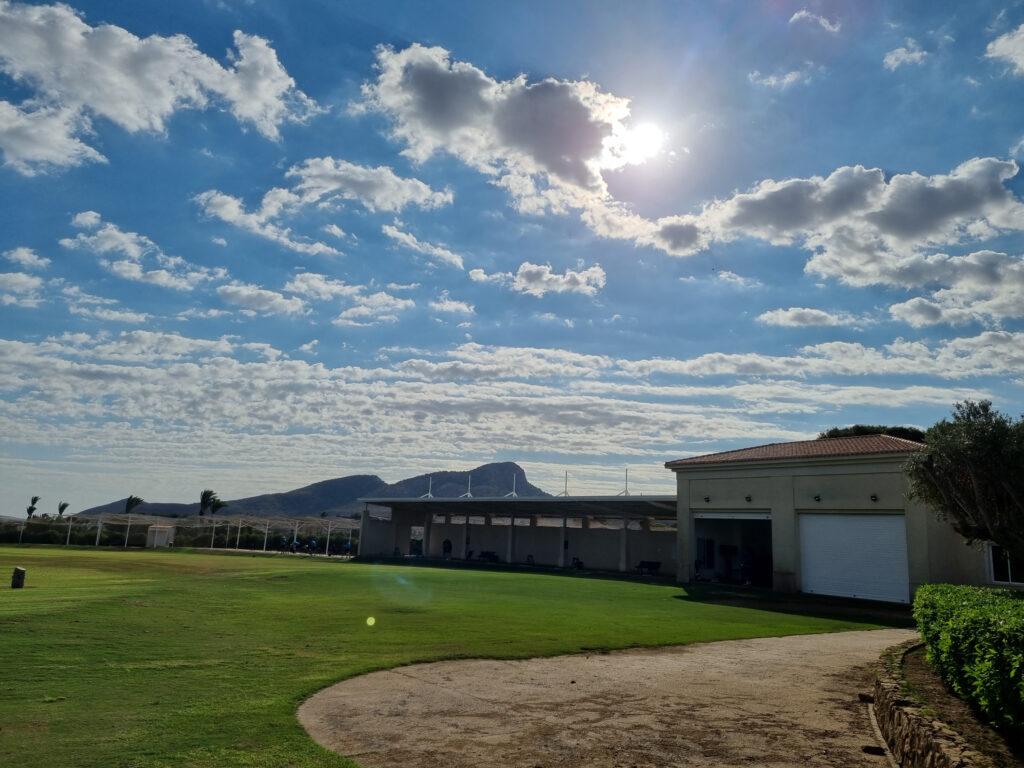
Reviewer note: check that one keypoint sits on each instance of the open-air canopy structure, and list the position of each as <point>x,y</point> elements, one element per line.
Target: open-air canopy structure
<point>615,533</point>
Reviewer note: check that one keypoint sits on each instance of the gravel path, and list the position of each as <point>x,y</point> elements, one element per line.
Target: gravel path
<point>787,701</point>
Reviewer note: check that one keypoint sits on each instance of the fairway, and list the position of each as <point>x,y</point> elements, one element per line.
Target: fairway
<point>159,658</point>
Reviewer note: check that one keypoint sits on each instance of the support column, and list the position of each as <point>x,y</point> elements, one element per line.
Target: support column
<point>510,551</point>
<point>624,546</point>
<point>684,531</point>
<point>362,530</point>
<point>427,523</point>
<point>465,537</point>
<point>561,546</point>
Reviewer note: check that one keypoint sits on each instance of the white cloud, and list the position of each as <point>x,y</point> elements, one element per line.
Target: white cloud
<point>321,181</point>
<point>501,278</point>
<point>813,18</point>
<point>135,249</point>
<point>320,287</point>
<point>327,179</point>
<point>78,72</point>
<point>538,279</point>
<point>727,276</point>
<point>231,210</point>
<point>108,314</point>
<point>219,241</point>
<point>20,289</point>
<point>374,309</point>
<point>310,347</point>
<point>410,241</point>
<point>256,299</point>
<point>798,317</point>
<point>26,258</point>
<point>1009,48</point>
<point>784,80</point>
<point>449,305</point>
<point>909,54</point>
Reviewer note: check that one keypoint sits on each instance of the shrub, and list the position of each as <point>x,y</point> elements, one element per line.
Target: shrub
<point>975,642</point>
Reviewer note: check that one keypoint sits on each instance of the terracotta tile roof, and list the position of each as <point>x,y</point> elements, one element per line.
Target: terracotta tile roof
<point>805,449</point>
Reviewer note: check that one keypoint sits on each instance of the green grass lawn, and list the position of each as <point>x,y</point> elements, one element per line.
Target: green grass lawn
<point>160,658</point>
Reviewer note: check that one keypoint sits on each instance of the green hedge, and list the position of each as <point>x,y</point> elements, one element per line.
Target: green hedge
<point>975,641</point>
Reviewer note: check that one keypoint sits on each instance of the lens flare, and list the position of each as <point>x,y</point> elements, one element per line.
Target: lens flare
<point>370,621</point>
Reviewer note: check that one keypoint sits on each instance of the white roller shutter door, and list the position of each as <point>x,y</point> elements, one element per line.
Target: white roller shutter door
<point>862,556</point>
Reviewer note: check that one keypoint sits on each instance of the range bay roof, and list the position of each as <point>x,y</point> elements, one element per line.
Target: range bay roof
<point>558,506</point>
<point>860,445</point>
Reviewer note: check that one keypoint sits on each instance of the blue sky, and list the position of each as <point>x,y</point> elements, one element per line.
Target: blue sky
<point>254,245</point>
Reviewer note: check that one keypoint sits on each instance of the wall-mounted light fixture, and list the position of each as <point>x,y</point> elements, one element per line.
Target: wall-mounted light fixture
<point>748,497</point>
<point>817,497</point>
<point>707,499</point>
<point>874,497</point>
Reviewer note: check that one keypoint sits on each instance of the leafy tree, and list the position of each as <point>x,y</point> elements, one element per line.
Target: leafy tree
<point>60,509</point>
<point>970,472</point>
<point>131,503</point>
<point>907,433</point>
<point>206,498</point>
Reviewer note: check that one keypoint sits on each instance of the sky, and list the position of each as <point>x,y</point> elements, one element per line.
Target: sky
<point>249,245</point>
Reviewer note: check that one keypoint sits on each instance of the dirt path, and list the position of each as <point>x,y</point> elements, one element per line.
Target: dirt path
<point>789,701</point>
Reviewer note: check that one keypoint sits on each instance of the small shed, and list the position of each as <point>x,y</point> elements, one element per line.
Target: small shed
<point>160,536</point>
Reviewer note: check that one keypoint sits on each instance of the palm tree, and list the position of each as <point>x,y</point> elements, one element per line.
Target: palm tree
<point>29,511</point>
<point>60,509</point>
<point>206,499</point>
<point>217,504</point>
<point>131,503</point>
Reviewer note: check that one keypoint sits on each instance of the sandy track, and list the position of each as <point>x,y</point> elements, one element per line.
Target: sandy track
<point>790,701</point>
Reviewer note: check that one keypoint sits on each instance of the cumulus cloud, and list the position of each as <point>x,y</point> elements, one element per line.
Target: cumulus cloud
<point>324,182</point>
<point>374,309</point>
<point>127,255</point>
<point>410,241</point>
<point>77,73</point>
<point>539,279</point>
<point>1010,49</point>
<point>911,53</point>
<point>276,202</point>
<point>804,15</point>
<point>20,289</point>
<point>327,179</point>
<point>449,305</point>
<point>799,317</point>
<point>259,300</point>
<point>320,287</point>
<point>26,258</point>
<point>108,314</point>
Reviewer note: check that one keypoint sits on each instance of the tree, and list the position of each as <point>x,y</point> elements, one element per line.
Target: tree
<point>131,503</point>
<point>31,508</point>
<point>907,433</point>
<point>216,505</point>
<point>60,509</point>
<point>970,472</point>
<point>206,498</point>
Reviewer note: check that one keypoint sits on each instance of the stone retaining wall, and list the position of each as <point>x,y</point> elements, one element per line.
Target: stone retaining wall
<point>916,740</point>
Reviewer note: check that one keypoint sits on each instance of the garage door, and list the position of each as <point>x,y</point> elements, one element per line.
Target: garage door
<point>861,556</point>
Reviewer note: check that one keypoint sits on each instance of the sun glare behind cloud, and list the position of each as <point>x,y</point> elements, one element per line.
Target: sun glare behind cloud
<point>636,145</point>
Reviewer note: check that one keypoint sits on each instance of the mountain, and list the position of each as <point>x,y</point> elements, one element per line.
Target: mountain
<point>340,496</point>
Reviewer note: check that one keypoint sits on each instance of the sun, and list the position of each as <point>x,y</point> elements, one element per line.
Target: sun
<point>638,145</point>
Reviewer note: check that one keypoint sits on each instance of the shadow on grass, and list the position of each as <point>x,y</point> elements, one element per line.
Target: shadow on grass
<point>894,615</point>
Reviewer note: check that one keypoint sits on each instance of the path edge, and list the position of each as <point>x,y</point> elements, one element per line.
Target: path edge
<point>915,739</point>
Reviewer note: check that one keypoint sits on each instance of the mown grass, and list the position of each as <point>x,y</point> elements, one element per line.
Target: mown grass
<point>159,658</point>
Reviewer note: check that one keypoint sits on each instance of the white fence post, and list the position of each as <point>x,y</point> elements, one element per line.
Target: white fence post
<point>266,533</point>
<point>213,532</point>
<point>99,527</point>
<point>327,552</point>
<point>239,536</point>
<point>68,541</point>
<point>127,531</point>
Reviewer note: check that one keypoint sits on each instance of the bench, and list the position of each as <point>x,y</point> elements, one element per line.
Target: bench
<point>490,557</point>
<point>649,566</point>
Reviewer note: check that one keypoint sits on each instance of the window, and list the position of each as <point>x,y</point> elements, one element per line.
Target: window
<point>1004,569</point>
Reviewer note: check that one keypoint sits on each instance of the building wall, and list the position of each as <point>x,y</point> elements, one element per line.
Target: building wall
<point>788,488</point>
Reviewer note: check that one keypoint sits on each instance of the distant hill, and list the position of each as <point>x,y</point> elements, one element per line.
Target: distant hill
<point>340,496</point>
